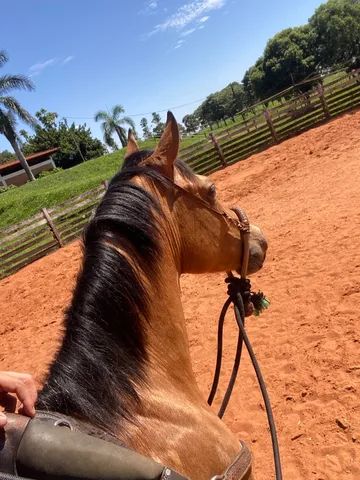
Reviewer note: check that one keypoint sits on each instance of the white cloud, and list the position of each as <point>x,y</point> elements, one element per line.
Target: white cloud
<point>179,44</point>
<point>150,7</point>
<point>189,13</point>
<point>204,19</point>
<point>68,59</point>
<point>37,68</point>
<point>201,27</point>
<point>185,33</point>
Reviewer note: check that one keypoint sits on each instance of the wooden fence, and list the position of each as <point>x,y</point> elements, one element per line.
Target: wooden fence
<point>46,231</point>
<point>52,228</point>
<point>275,124</point>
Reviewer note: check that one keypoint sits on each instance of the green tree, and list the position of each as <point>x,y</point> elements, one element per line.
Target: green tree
<point>217,106</point>
<point>288,58</point>
<point>76,143</point>
<point>6,156</point>
<point>232,98</point>
<point>211,110</point>
<point>191,123</point>
<point>182,130</point>
<point>252,82</point>
<point>10,110</point>
<point>336,26</point>
<point>145,128</point>
<point>158,124</point>
<point>112,122</point>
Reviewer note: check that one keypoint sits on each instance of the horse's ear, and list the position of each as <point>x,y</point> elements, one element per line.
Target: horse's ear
<point>132,145</point>
<point>167,149</point>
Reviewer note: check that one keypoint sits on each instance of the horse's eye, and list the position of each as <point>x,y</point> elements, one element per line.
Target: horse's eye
<point>212,191</point>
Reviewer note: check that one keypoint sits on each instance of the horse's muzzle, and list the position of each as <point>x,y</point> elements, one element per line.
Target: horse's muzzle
<point>257,249</point>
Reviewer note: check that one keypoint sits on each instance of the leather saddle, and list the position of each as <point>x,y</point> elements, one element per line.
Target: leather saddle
<point>53,446</point>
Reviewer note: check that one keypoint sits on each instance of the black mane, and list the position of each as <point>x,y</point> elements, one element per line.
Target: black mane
<point>102,359</point>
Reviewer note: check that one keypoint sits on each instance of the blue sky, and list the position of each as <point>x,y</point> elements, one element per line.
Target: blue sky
<point>148,55</point>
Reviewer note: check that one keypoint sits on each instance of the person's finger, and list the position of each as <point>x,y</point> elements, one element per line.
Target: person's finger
<point>3,420</point>
<point>23,385</point>
<point>27,394</point>
<point>10,380</point>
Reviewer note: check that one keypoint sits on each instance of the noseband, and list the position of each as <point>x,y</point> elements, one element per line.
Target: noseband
<point>243,225</point>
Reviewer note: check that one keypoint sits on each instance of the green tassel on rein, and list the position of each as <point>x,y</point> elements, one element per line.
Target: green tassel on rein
<point>260,302</point>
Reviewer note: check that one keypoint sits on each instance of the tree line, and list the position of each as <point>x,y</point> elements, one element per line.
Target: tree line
<point>330,39</point>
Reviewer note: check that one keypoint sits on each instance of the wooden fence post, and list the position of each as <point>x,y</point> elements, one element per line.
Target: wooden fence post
<point>320,90</point>
<point>268,119</point>
<point>54,230</point>
<point>218,149</point>
<point>2,181</point>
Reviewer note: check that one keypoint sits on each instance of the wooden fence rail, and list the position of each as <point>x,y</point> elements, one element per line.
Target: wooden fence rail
<point>52,228</point>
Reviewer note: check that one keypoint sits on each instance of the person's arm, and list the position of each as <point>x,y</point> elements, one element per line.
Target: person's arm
<point>24,387</point>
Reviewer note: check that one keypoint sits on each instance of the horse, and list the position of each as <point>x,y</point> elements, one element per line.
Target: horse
<point>124,366</point>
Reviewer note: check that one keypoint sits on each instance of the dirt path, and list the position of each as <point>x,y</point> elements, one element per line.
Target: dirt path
<point>305,194</point>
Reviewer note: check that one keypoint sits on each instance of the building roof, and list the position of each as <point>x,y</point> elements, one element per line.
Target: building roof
<point>32,159</point>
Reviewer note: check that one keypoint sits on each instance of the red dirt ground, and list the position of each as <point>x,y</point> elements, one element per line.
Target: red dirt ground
<point>305,194</point>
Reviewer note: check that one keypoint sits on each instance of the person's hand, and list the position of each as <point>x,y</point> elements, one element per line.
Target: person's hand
<point>24,387</point>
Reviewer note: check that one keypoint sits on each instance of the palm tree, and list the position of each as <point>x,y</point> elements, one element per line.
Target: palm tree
<point>111,123</point>
<point>10,109</point>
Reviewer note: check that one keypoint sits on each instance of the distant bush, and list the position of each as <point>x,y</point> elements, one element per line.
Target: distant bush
<point>6,156</point>
<point>46,173</point>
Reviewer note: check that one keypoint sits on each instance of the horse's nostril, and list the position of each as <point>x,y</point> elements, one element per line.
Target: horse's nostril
<point>256,260</point>
<point>257,236</point>
<point>257,253</point>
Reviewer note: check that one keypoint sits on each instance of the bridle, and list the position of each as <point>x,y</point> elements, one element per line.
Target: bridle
<point>239,291</point>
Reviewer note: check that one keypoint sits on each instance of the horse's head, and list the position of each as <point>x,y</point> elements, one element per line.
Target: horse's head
<point>204,234</point>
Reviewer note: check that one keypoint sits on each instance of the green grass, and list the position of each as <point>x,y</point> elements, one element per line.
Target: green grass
<point>20,203</point>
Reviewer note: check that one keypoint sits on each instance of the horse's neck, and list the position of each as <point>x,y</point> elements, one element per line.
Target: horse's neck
<point>167,341</point>
<point>173,420</point>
